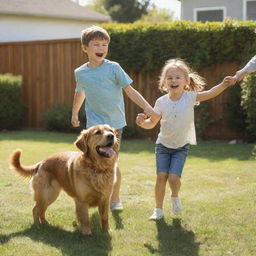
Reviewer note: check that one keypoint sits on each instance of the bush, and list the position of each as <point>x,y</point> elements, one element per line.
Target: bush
<point>201,44</point>
<point>249,104</point>
<point>11,106</point>
<point>237,115</point>
<point>202,119</point>
<point>58,119</point>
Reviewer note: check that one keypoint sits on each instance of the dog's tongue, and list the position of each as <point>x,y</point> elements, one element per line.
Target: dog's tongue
<point>109,151</point>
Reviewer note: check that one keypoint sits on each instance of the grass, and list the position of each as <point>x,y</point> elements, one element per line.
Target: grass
<point>218,194</point>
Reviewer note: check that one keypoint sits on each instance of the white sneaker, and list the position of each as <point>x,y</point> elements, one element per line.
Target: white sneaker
<point>176,205</point>
<point>157,214</point>
<point>116,206</point>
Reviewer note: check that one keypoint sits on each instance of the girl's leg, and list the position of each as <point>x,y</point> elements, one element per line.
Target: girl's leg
<point>174,183</point>
<point>160,186</point>
<point>161,180</point>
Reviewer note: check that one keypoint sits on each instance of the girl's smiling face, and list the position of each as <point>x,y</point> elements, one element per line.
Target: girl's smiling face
<point>97,50</point>
<point>176,80</point>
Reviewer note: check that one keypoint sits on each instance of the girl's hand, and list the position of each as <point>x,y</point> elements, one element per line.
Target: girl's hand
<point>229,80</point>
<point>141,117</point>
<point>149,111</point>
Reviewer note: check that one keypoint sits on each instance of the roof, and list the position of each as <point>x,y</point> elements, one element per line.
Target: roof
<point>63,9</point>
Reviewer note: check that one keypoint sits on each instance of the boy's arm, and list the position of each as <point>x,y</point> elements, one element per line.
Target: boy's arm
<point>147,123</point>
<point>248,68</point>
<point>77,103</point>
<point>137,98</point>
<point>216,90</point>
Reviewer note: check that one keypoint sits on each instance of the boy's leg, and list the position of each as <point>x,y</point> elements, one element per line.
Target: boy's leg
<point>115,199</point>
<point>116,189</point>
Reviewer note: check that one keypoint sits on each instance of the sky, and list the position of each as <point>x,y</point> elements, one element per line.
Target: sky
<point>172,5</point>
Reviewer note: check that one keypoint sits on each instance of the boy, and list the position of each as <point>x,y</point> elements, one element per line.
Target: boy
<point>101,81</point>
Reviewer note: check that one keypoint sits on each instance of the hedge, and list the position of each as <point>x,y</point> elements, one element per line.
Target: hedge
<point>11,106</point>
<point>145,47</point>
<point>249,105</point>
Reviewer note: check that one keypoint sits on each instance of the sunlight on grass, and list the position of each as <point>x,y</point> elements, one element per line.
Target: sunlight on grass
<point>218,194</point>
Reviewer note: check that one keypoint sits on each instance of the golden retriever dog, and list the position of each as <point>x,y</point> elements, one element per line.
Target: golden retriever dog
<point>87,176</point>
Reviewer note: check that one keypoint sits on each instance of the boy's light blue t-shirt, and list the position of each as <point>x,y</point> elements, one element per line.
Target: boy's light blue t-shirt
<point>104,102</point>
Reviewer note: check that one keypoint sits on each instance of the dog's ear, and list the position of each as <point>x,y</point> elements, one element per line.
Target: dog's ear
<point>81,141</point>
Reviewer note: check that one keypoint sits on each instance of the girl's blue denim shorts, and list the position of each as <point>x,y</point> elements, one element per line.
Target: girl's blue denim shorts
<point>171,160</point>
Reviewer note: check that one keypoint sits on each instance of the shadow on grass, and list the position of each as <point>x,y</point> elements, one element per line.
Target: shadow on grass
<point>118,220</point>
<point>174,240</point>
<point>69,243</point>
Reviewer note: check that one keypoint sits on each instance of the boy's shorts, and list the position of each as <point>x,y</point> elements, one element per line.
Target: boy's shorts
<point>171,160</point>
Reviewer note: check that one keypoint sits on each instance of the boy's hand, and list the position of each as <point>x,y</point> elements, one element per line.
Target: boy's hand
<point>141,117</point>
<point>229,80</point>
<point>74,121</point>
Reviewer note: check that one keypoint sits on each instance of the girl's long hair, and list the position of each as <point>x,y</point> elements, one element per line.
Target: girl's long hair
<point>196,83</point>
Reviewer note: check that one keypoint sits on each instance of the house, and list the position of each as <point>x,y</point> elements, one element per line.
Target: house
<point>26,20</point>
<point>218,10</point>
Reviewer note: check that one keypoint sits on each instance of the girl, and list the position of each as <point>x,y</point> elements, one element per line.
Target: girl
<point>177,130</point>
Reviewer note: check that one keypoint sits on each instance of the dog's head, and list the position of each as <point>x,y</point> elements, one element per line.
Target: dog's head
<point>99,140</point>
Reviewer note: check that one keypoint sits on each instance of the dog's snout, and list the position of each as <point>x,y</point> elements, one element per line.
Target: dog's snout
<point>110,137</point>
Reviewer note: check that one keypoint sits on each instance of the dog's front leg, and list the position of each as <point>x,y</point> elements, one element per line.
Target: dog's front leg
<point>82,213</point>
<point>103,211</point>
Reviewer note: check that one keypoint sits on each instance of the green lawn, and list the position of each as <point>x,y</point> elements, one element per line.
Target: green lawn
<point>218,194</point>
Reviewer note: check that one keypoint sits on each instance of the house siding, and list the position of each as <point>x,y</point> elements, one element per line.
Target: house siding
<point>21,28</point>
<point>233,7</point>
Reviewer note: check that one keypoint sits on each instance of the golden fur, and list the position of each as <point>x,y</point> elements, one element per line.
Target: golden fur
<point>87,176</point>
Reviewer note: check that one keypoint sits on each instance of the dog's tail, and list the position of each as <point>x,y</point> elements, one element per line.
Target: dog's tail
<point>25,171</point>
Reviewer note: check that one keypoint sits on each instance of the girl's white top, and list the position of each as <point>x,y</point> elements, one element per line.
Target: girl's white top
<point>251,65</point>
<point>177,122</point>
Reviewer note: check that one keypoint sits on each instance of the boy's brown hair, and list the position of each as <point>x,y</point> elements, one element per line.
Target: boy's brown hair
<point>94,32</point>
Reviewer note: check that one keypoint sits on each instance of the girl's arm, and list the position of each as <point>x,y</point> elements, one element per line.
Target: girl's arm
<point>147,123</point>
<point>216,90</point>
<point>138,99</point>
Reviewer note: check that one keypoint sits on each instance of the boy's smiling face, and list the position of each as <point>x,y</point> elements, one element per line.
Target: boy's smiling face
<point>97,50</point>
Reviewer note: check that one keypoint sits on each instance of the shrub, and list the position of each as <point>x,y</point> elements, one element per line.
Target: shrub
<point>201,44</point>
<point>11,106</point>
<point>237,115</point>
<point>249,104</point>
<point>58,119</point>
<point>202,119</point>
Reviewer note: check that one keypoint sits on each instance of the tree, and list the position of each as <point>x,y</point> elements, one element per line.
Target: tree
<point>158,15</point>
<point>126,10</point>
<point>97,5</point>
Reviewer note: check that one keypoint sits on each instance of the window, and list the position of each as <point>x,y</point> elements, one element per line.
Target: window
<point>209,14</point>
<point>249,10</point>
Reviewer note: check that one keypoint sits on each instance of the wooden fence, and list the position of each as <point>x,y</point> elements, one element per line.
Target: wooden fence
<point>47,68</point>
